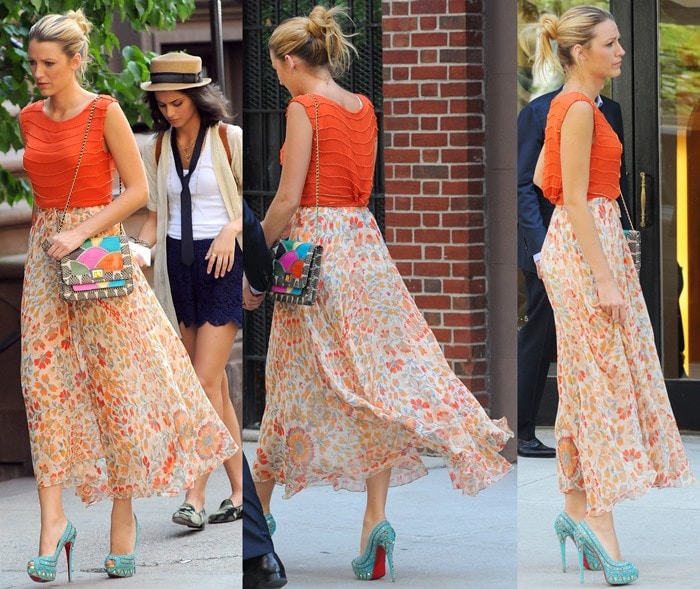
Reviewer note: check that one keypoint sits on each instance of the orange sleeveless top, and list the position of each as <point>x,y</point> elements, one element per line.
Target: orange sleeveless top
<point>51,150</point>
<point>606,152</point>
<point>347,143</point>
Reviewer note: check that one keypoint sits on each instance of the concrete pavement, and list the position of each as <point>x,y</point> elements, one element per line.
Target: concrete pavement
<point>659,533</point>
<point>168,556</point>
<point>443,539</point>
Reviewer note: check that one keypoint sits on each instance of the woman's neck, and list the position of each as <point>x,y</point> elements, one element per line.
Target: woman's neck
<point>66,103</point>
<point>316,81</point>
<point>188,132</point>
<point>590,88</point>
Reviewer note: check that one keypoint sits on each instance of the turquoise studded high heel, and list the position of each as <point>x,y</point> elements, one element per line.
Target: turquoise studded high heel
<point>616,572</point>
<point>564,526</point>
<point>124,564</point>
<point>370,565</point>
<point>43,568</point>
<point>271,523</point>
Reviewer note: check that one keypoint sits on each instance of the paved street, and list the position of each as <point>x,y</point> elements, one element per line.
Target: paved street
<point>443,539</point>
<point>659,532</point>
<point>168,556</point>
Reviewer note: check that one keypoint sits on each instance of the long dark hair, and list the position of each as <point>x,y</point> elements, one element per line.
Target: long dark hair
<point>211,104</point>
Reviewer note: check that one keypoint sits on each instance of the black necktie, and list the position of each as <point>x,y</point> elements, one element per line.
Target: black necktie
<point>187,251</point>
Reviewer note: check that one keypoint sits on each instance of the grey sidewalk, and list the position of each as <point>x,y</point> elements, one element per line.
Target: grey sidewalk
<point>168,556</point>
<point>444,539</point>
<point>660,533</point>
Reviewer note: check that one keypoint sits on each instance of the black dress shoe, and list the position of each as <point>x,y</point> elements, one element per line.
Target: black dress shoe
<point>264,572</point>
<point>535,449</point>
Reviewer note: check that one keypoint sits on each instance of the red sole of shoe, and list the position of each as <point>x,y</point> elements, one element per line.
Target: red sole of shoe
<point>379,569</point>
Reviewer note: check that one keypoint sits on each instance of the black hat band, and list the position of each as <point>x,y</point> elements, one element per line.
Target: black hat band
<point>172,78</point>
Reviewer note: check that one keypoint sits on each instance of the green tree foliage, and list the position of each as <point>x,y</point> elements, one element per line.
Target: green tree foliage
<point>16,18</point>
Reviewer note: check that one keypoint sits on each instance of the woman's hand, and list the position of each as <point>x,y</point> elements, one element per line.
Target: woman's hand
<point>222,251</point>
<point>610,300</point>
<point>63,243</point>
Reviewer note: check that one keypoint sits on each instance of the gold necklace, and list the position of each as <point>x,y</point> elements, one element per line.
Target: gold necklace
<point>186,149</point>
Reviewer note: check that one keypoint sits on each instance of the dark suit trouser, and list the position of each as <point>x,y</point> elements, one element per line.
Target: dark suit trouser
<point>257,264</point>
<point>256,537</point>
<point>536,345</point>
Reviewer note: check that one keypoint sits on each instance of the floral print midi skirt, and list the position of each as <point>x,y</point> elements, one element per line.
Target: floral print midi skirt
<point>113,404</point>
<point>616,435</point>
<point>357,383</point>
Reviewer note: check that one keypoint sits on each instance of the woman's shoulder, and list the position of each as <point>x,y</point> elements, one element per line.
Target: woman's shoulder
<point>574,103</point>
<point>309,101</point>
<point>564,101</point>
<point>32,107</point>
<point>104,101</point>
<point>232,131</point>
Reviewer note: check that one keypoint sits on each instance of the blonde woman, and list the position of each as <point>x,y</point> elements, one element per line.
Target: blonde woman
<point>615,432</point>
<point>113,404</point>
<point>356,383</point>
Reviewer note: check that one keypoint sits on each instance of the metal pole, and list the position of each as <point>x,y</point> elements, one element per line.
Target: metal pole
<point>218,75</point>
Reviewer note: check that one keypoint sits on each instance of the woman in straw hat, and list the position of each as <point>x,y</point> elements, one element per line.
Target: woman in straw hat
<point>193,164</point>
<point>114,407</point>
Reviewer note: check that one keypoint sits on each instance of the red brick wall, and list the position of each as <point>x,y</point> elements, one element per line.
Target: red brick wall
<point>434,165</point>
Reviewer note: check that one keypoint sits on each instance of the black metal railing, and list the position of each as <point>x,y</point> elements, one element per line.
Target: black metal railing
<point>264,104</point>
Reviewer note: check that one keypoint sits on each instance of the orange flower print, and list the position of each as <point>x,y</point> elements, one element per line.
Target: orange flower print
<point>418,404</point>
<point>301,450</point>
<point>43,360</point>
<point>64,395</point>
<point>153,422</point>
<point>395,366</point>
<point>208,442</point>
<point>631,454</point>
<point>181,422</point>
<point>624,412</point>
<point>356,223</point>
<point>567,452</point>
<point>261,457</point>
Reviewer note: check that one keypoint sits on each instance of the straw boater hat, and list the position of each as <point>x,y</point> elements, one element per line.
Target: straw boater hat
<point>175,71</point>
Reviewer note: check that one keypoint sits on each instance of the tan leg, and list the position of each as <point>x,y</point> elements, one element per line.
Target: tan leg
<point>377,491</point>
<point>53,519</point>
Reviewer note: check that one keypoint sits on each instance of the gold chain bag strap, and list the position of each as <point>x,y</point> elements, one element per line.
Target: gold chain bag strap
<point>634,239</point>
<point>101,267</point>
<point>296,265</point>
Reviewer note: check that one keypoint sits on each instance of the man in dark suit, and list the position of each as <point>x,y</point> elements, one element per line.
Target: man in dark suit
<point>262,568</point>
<point>536,338</point>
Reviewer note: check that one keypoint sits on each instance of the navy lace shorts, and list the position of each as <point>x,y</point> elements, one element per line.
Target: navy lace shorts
<point>200,298</point>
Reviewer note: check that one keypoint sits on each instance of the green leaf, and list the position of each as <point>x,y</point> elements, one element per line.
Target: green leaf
<point>15,76</point>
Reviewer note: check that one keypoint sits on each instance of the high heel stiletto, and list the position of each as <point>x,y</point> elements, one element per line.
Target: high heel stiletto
<point>616,572</point>
<point>124,564</point>
<point>43,568</point>
<point>370,565</point>
<point>564,526</point>
<point>271,523</point>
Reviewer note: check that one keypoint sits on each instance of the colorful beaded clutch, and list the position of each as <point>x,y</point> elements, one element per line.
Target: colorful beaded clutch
<point>98,269</point>
<point>296,269</point>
